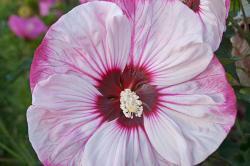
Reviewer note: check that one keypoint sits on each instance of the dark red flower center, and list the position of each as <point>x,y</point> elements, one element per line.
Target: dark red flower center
<point>192,4</point>
<point>114,82</point>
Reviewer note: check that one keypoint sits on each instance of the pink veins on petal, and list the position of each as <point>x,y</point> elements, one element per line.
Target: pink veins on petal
<point>102,62</point>
<point>115,81</point>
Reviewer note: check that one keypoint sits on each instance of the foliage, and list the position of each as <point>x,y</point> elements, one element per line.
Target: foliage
<point>15,59</point>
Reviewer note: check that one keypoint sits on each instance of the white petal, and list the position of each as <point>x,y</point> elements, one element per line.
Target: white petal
<point>159,27</point>
<point>167,138</point>
<point>167,44</point>
<point>113,145</point>
<point>181,64</point>
<point>87,41</point>
<point>213,15</point>
<point>62,118</point>
<point>203,111</point>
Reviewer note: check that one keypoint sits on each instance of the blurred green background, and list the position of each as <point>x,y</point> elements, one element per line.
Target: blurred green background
<point>15,97</point>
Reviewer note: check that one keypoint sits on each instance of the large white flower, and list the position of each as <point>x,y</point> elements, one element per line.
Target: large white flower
<point>129,85</point>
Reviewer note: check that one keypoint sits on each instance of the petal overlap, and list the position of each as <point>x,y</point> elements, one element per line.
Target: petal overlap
<point>212,14</point>
<point>161,35</point>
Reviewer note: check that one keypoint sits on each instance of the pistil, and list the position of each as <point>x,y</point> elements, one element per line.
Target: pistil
<point>130,104</point>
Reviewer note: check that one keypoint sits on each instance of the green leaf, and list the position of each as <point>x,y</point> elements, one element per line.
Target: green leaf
<point>245,91</point>
<point>244,94</point>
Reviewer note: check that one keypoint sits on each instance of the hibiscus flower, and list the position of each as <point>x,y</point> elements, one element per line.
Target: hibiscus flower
<point>45,6</point>
<point>128,87</point>
<point>28,28</point>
